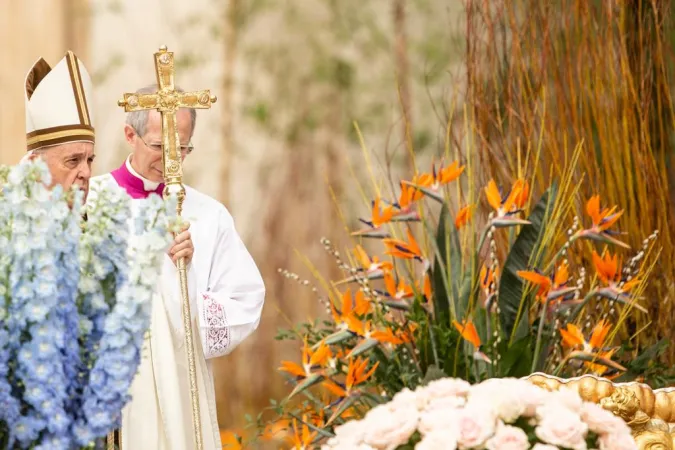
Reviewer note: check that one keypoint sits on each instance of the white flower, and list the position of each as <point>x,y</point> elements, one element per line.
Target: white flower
<point>437,420</point>
<point>618,441</point>
<point>475,424</point>
<point>352,431</point>
<point>444,403</point>
<point>544,447</point>
<point>438,440</point>
<point>601,421</point>
<point>567,397</point>
<point>562,427</point>
<point>508,438</point>
<point>387,429</point>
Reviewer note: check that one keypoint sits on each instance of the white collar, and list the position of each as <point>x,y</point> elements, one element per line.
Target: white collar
<point>147,184</point>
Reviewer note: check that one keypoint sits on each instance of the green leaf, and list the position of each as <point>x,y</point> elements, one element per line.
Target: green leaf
<point>517,358</point>
<point>364,346</point>
<point>306,384</point>
<point>344,406</point>
<point>447,269</point>
<point>433,373</point>
<point>642,363</point>
<point>335,338</point>
<point>525,253</point>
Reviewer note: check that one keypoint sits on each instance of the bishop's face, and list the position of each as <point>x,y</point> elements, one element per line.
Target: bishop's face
<point>146,158</point>
<point>70,164</point>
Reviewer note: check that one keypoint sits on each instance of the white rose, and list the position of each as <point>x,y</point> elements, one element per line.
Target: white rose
<point>507,397</point>
<point>601,421</point>
<point>441,404</point>
<point>407,397</point>
<point>438,440</point>
<point>567,397</point>
<point>352,431</point>
<point>438,420</point>
<point>618,441</point>
<point>474,426</point>
<point>544,447</point>
<point>562,427</point>
<point>448,387</point>
<point>387,428</point>
<point>508,438</point>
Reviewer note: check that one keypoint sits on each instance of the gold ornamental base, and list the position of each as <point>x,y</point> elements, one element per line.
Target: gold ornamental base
<point>649,413</point>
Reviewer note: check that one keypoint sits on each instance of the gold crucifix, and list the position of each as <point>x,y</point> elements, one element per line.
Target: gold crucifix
<point>167,101</point>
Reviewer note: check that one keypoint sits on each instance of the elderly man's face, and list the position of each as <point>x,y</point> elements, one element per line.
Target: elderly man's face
<point>70,164</point>
<point>146,158</point>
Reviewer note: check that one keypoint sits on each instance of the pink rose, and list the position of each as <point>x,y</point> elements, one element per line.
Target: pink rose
<point>619,441</point>
<point>448,387</point>
<point>474,426</point>
<point>601,421</point>
<point>387,429</point>
<point>438,440</point>
<point>350,432</point>
<point>562,427</point>
<point>444,403</point>
<point>544,447</point>
<point>438,420</point>
<point>508,438</point>
<point>567,397</point>
<point>406,397</point>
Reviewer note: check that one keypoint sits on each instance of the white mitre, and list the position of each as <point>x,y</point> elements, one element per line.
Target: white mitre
<point>57,103</point>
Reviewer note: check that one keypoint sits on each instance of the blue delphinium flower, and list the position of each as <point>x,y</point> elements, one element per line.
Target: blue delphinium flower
<point>74,306</point>
<point>118,355</point>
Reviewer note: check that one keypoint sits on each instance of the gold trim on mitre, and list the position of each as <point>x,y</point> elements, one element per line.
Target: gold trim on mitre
<point>57,110</point>
<point>59,135</point>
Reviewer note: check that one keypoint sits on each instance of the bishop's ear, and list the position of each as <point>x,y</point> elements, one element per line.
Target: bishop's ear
<point>130,134</point>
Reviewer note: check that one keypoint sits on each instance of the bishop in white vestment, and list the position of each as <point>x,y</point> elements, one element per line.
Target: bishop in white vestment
<point>226,293</point>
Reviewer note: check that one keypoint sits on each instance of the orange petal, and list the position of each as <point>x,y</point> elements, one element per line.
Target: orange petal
<point>599,335</point>
<point>629,285</point>
<point>347,305</point>
<point>593,209</point>
<point>535,278</point>
<point>361,304</point>
<point>468,332</point>
<point>493,196</point>
<point>523,189</point>
<point>390,284</point>
<point>572,337</point>
<point>320,356</point>
<point>427,286</point>
<point>362,257</point>
<point>292,368</point>
<point>561,275</point>
<point>463,216</point>
<point>334,388</point>
<point>608,222</point>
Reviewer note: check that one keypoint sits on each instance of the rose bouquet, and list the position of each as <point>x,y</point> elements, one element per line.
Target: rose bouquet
<point>74,307</point>
<point>497,414</point>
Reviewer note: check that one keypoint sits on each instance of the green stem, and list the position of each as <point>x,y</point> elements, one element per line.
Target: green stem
<point>564,248</point>
<point>537,346</point>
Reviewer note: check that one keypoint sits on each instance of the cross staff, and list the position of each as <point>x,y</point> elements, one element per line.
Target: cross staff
<point>167,101</point>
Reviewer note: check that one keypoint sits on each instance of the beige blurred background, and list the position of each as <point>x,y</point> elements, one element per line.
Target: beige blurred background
<point>292,78</point>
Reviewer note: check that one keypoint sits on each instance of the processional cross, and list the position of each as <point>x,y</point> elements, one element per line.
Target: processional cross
<point>167,101</point>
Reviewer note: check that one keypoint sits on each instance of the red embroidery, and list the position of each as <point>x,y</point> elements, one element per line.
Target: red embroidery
<point>217,329</point>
